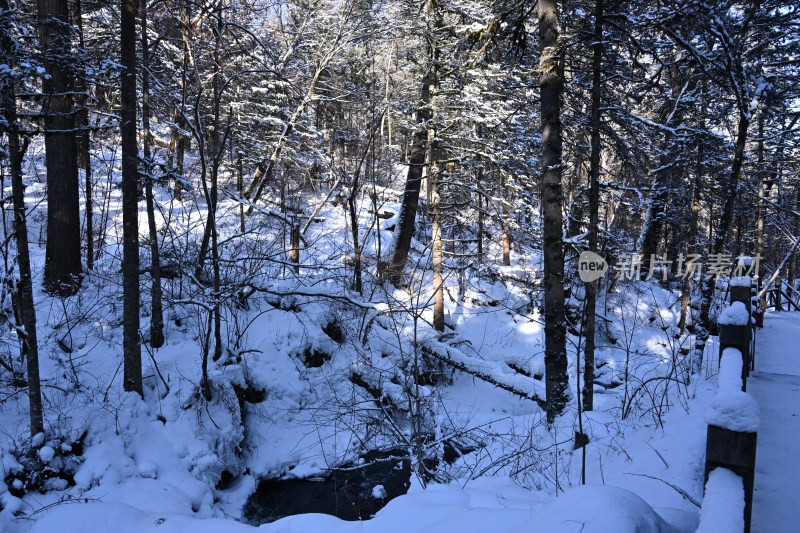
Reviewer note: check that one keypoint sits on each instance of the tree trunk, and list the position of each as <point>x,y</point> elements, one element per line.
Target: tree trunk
<point>294,249</point>
<point>217,150</point>
<point>157,313</point>
<point>83,139</point>
<point>436,249</point>
<point>725,219</point>
<point>552,84</point>
<point>480,232</point>
<point>62,270</point>
<point>594,205</point>
<point>417,156</point>
<point>130,224</point>
<point>180,118</point>
<point>694,223</point>
<point>29,342</point>
<point>506,226</point>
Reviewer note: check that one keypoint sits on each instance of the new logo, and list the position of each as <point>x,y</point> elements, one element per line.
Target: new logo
<point>591,267</point>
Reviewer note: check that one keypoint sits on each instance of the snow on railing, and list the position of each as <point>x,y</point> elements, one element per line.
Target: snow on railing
<point>733,418</point>
<point>723,505</point>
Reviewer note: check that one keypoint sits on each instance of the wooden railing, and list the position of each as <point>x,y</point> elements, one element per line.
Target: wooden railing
<point>731,441</point>
<point>782,294</point>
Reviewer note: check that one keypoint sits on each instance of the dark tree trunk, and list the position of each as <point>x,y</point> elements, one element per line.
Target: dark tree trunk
<point>62,270</point>
<point>725,219</point>
<point>132,352</point>
<point>594,205</point>
<point>29,342</point>
<point>552,84</point>
<point>157,313</point>
<point>479,198</point>
<point>416,162</point>
<point>436,249</point>
<point>180,139</point>
<point>506,225</point>
<point>83,139</point>
<point>217,150</point>
<point>694,224</point>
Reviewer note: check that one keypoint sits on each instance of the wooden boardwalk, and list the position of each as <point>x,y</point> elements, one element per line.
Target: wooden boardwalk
<point>776,387</point>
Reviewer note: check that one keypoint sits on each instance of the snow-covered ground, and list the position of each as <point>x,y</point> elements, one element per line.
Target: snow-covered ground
<point>313,375</point>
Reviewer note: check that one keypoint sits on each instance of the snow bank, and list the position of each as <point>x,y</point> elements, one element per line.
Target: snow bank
<point>597,509</point>
<point>723,505</point>
<point>734,315</point>
<point>494,504</point>
<point>734,410</point>
<point>730,370</point>
<point>741,281</point>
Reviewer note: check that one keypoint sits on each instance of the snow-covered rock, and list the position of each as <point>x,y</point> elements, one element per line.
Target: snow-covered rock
<point>46,454</point>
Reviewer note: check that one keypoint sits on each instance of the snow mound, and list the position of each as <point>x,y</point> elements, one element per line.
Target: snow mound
<point>597,509</point>
<point>46,454</point>
<point>723,505</point>
<point>734,410</point>
<point>734,315</point>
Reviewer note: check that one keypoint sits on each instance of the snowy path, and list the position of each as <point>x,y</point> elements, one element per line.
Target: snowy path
<point>776,386</point>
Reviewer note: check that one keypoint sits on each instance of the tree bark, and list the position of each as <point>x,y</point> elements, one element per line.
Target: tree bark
<point>62,271</point>
<point>725,219</point>
<point>83,139</point>
<point>156,307</point>
<point>594,205</point>
<point>694,224</point>
<point>417,156</point>
<point>436,249</point>
<point>552,84</point>
<point>132,352</point>
<point>506,226</point>
<point>29,342</point>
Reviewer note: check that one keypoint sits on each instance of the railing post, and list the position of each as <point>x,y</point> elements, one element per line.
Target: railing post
<point>736,324</point>
<point>744,289</point>
<point>733,418</point>
<point>735,451</point>
<point>739,337</point>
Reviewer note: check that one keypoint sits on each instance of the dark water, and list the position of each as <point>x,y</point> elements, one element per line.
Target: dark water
<point>347,492</point>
